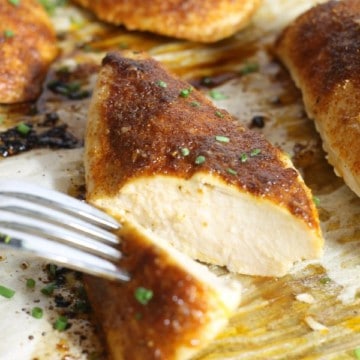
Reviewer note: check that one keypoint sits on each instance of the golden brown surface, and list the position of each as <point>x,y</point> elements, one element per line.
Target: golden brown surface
<point>144,126</point>
<point>205,21</point>
<point>321,50</point>
<point>173,324</point>
<point>27,48</point>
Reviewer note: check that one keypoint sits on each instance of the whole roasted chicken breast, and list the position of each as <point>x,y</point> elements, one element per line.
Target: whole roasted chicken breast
<point>27,47</point>
<point>321,51</point>
<point>158,154</point>
<point>204,21</point>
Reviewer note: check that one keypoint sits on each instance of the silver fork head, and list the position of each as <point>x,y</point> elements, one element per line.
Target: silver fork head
<point>59,228</point>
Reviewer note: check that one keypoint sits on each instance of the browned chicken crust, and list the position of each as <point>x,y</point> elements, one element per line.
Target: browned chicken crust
<point>321,49</point>
<point>197,20</point>
<point>158,117</point>
<point>27,47</point>
<point>181,317</point>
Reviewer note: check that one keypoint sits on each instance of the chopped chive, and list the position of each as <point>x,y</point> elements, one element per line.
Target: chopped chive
<point>255,152</point>
<point>6,292</point>
<point>2,119</point>
<point>195,104</point>
<point>30,283</point>
<point>243,157</point>
<point>143,295</point>
<point>200,160</point>
<point>8,33</point>
<point>231,171</point>
<point>61,323</point>
<point>23,129</point>
<point>221,138</point>
<point>7,239</point>
<point>217,95</point>
<point>324,280</point>
<point>52,270</point>
<point>185,151</point>
<point>123,45</point>
<point>219,114</point>
<point>37,312</point>
<point>316,201</point>
<point>185,92</point>
<point>249,68</point>
<point>48,289</point>
<point>161,83</point>
<point>14,2</point>
<point>357,353</point>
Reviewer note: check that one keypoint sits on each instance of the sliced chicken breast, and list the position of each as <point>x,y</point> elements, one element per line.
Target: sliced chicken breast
<point>321,51</point>
<point>171,308</point>
<point>27,48</point>
<point>159,155</point>
<point>204,21</point>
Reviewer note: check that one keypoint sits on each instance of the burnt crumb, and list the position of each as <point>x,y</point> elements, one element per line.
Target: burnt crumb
<point>258,121</point>
<point>50,119</point>
<point>15,140</point>
<point>61,302</point>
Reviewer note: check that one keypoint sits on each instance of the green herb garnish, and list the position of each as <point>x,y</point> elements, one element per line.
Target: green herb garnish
<point>217,95</point>
<point>249,68</point>
<point>185,92</point>
<point>14,2</point>
<point>8,33</point>
<point>231,171</point>
<point>185,151</point>
<point>195,104</point>
<point>23,129</point>
<point>255,152</point>
<point>243,158</point>
<point>30,283</point>
<point>324,280</point>
<point>200,160</point>
<point>6,292</point>
<point>37,312</point>
<point>143,295</point>
<point>161,83</point>
<point>219,114</point>
<point>61,323</point>
<point>357,353</point>
<point>316,201</point>
<point>221,138</point>
<point>48,289</point>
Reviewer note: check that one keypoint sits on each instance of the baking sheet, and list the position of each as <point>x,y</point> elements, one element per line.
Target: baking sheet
<point>312,313</point>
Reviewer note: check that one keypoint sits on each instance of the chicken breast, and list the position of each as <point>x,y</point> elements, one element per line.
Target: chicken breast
<point>171,308</point>
<point>27,48</point>
<point>321,51</point>
<point>158,154</point>
<point>204,21</point>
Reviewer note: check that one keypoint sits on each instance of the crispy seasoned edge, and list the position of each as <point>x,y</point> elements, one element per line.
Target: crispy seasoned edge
<point>181,310</point>
<point>25,57</point>
<point>321,51</point>
<point>205,21</point>
<point>153,146</point>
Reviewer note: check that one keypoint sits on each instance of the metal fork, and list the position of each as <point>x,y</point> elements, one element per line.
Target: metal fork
<point>59,228</point>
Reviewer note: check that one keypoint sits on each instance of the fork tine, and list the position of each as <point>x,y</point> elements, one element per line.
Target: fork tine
<point>42,212</point>
<point>44,229</point>
<point>58,200</point>
<point>74,258</point>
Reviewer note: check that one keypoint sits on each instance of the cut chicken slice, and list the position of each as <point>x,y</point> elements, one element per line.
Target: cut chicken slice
<point>171,308</point>
<point>27,48</point>
<point>321,51</point>
<point>204,21</point>
<point>160,155</point>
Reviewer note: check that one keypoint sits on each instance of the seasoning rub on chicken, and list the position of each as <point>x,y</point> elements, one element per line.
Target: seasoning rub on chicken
<point>27,48</point>
<point>158,154</point>
<point>171,308</point>
<point>321,50</point>
<point>204,20</point>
